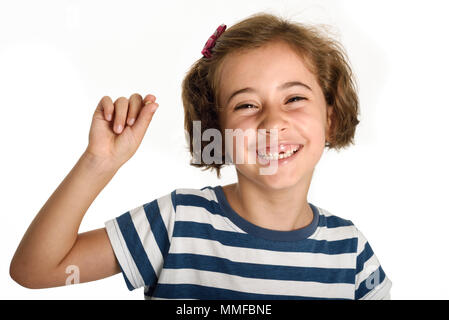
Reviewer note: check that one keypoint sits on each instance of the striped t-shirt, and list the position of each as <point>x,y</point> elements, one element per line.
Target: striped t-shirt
<point>191,244</point>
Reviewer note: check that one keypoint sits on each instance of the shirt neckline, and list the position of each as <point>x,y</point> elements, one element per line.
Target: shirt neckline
<point>269,234</point>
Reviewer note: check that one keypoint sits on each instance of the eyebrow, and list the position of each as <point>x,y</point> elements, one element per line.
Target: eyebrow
<point>281,87</point>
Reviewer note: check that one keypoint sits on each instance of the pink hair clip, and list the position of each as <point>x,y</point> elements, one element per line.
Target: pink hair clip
<point>211,41</point>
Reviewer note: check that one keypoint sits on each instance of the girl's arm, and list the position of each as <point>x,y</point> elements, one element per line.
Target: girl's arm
<point>52,243</point>
<point>51,251</point>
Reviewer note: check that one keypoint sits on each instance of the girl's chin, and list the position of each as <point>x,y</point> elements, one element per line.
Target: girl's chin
<point>276,181</point>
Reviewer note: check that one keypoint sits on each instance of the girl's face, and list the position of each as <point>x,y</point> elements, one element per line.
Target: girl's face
<point>271,88</point>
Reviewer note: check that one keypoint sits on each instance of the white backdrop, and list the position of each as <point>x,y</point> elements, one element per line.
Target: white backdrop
<point>58,58</point>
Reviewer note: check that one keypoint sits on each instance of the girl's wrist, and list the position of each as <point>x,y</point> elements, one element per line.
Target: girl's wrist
<point>99,164</point>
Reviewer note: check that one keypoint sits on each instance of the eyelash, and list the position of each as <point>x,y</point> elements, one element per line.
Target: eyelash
<point>248,104</point>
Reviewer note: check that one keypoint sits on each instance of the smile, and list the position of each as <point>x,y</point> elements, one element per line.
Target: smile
<point>280,155</point>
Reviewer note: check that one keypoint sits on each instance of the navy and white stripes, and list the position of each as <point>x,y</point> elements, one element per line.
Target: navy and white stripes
<point>190,244</point>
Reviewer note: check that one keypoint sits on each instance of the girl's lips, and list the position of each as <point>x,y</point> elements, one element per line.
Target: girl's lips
<point>282,148</point>
<point>280,162</point>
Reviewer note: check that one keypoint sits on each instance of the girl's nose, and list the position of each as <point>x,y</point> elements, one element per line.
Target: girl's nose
<point>274,119</point>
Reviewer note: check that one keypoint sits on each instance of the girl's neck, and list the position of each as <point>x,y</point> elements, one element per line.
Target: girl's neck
<point>282,209</point>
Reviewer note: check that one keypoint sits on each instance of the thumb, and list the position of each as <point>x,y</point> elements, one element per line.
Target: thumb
<point>145,116</point>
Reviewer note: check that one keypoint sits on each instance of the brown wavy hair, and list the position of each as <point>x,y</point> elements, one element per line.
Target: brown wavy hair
<point>324,57</point>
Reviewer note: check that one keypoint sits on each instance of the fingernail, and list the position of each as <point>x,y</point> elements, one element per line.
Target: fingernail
<point>108,117</point>
<point>118,129</point>
<point>131,121</point>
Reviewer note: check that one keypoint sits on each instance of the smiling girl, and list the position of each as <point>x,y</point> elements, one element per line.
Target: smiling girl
<point>258,238</point>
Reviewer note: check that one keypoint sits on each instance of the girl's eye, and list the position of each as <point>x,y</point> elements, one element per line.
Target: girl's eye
<point>251,106</point>
<point>245,106</point>
<point>294,99</point>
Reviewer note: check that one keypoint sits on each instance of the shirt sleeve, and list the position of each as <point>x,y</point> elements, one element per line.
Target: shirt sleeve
<point>371,282</point>
<point>141,239</point>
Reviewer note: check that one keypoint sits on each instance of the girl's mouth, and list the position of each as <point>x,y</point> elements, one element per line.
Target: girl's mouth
<point>280,156</point>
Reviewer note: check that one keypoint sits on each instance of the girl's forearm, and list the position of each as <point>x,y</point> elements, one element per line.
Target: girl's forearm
<point>54,230</point>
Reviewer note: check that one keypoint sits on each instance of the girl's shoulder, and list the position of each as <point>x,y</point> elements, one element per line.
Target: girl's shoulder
<point>335,228</point>
<point>194,195</point>
<point>329,220</point>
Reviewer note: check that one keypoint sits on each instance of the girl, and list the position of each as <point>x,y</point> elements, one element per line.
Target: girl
<point>258,238</point>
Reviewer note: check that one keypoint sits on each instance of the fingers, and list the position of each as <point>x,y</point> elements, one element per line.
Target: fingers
<point>149,98</point>
<point>135,104</point>
<point>107,107</point>
<point>124,112</point>
<point>145,116</point>
<point>121,112</point>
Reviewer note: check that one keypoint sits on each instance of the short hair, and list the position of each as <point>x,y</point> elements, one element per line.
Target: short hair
<point>324,57</point>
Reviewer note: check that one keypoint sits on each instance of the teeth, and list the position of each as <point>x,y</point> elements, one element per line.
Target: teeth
<point>276,156</point>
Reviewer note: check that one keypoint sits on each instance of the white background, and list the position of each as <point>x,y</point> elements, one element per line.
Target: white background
<point>58,58</point>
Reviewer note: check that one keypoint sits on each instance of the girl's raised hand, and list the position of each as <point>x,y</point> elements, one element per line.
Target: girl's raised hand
<point>118,128</point>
